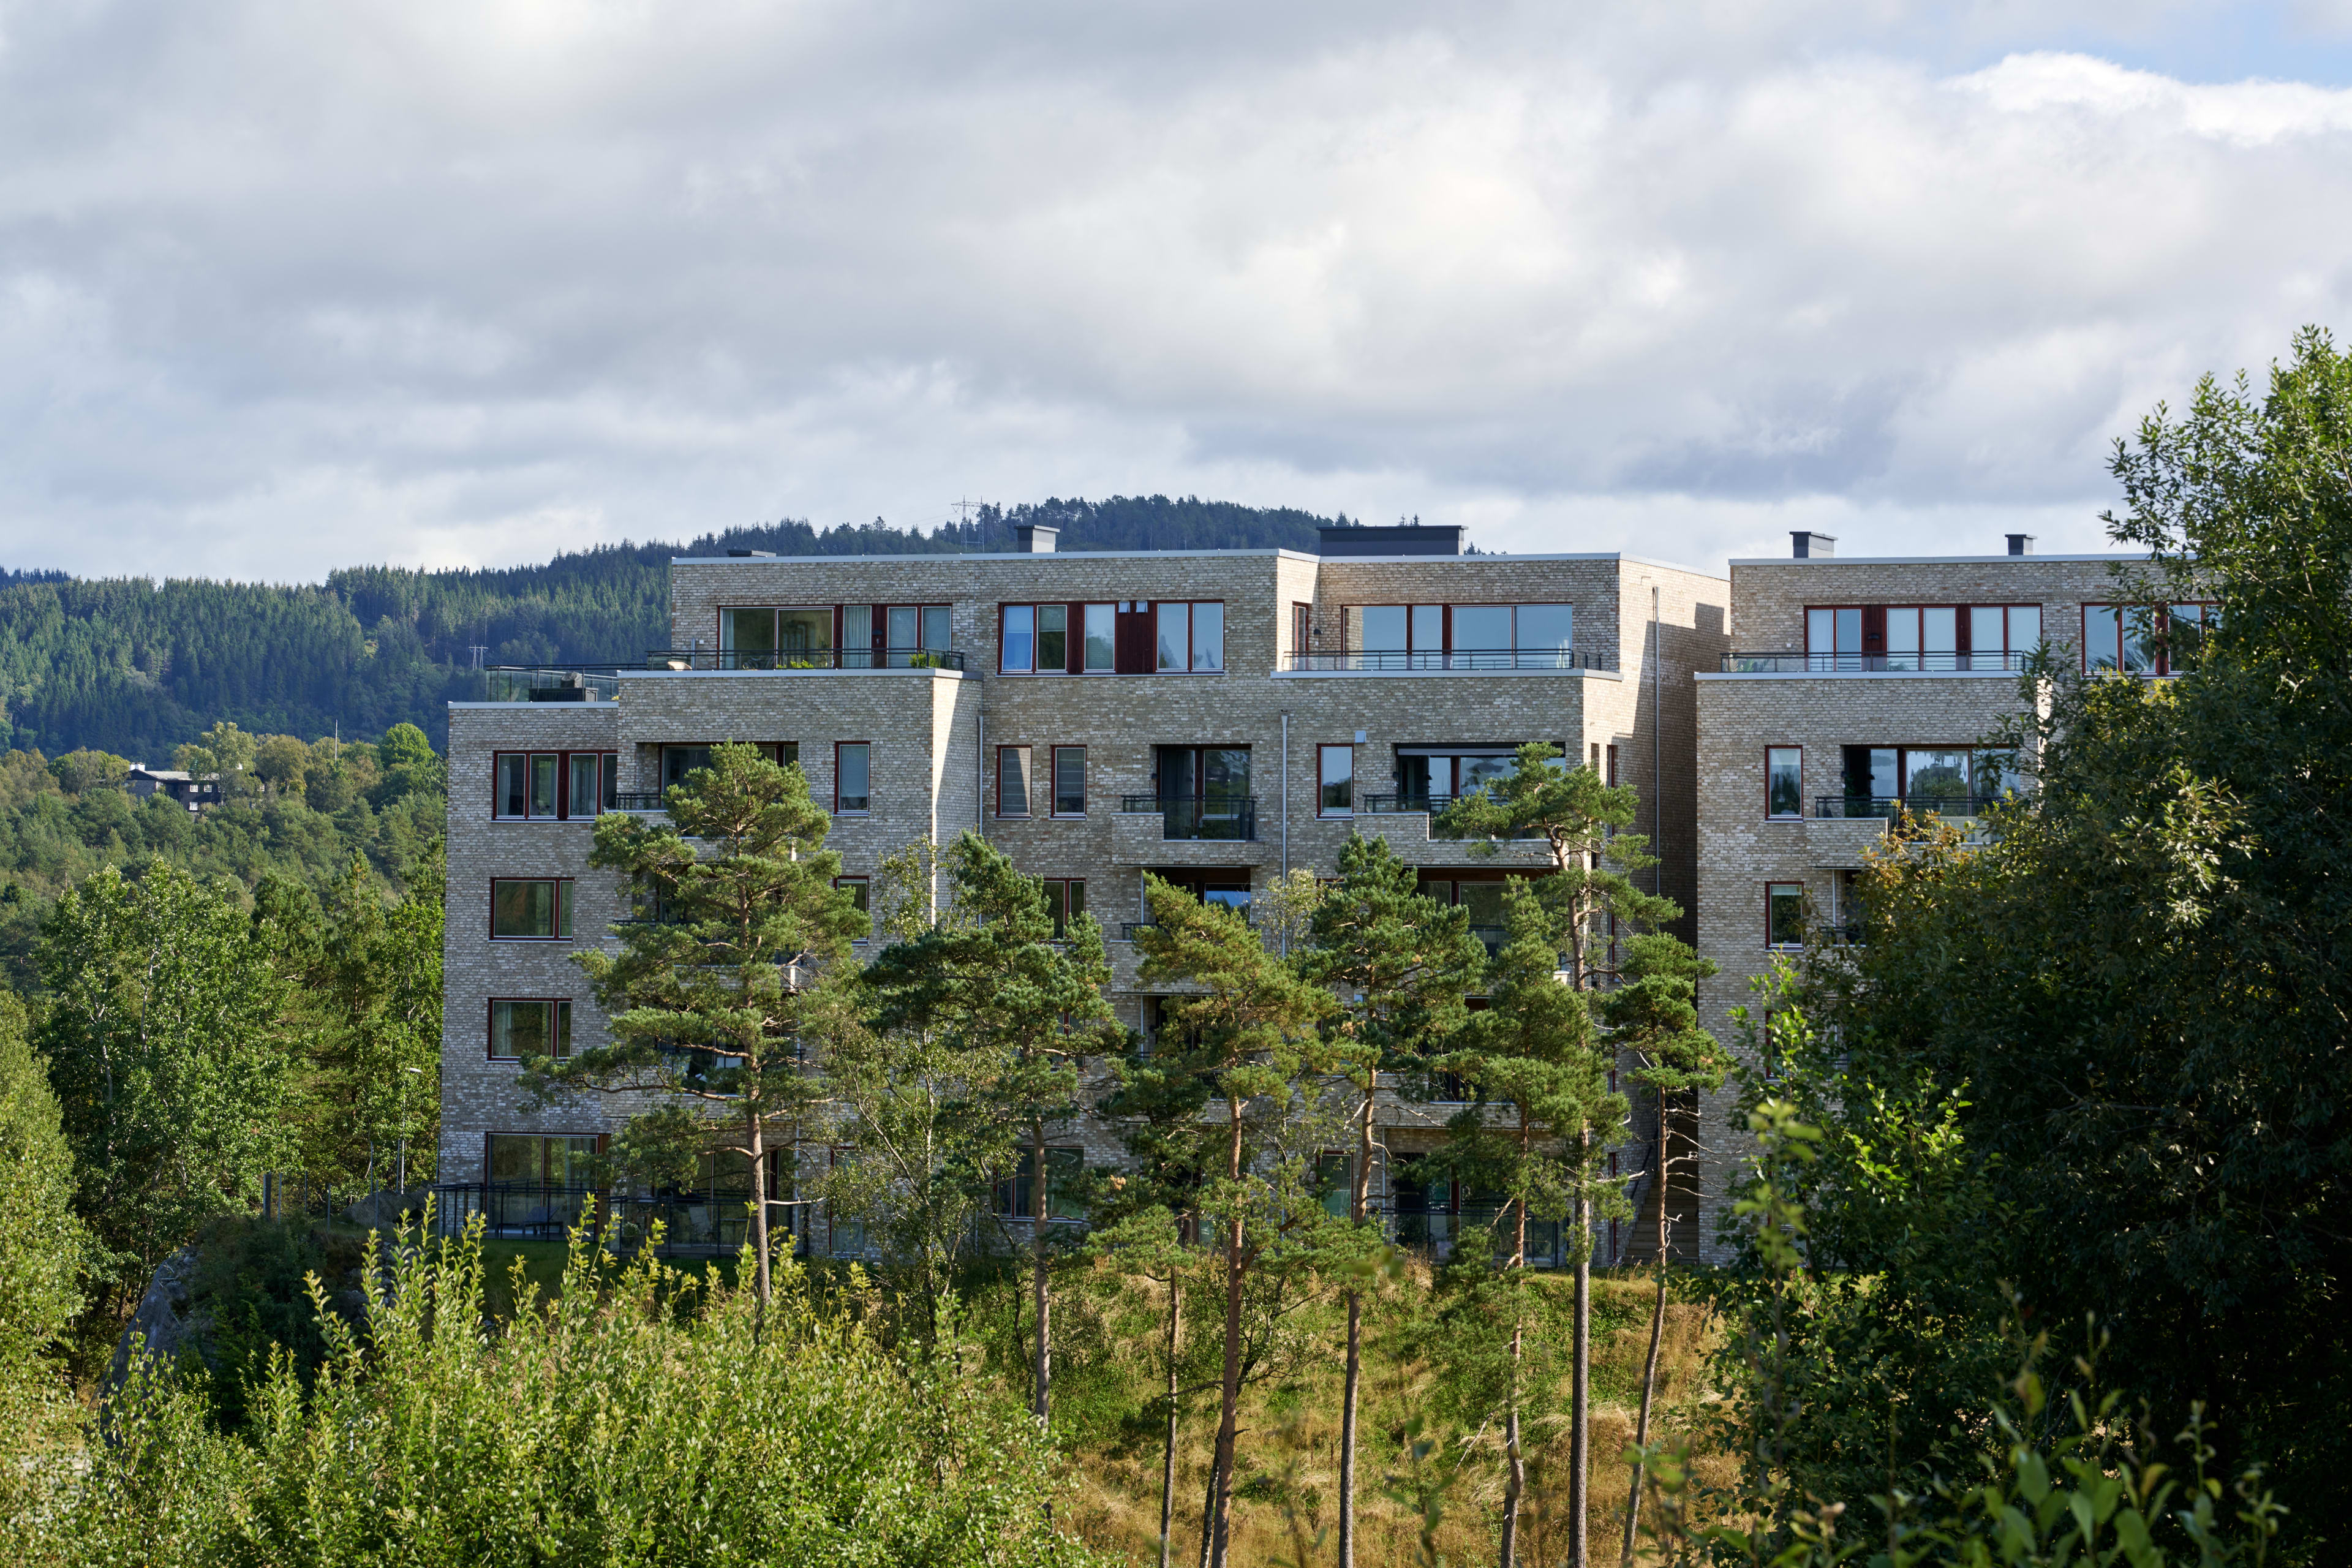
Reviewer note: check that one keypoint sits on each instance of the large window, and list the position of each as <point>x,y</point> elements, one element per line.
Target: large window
<point>1784,914</point>
<point>1431,778</point>
<point>860,891</point>
<point>1784,780</point>
<point>536,909</point>
<point>2146,639</point>
<point>1921,638</point>
<point>1954,780</point>
<point>539,1026</point>
<point>1100,654</point>
<point>533,1159</point>
<point>676,761</point>
<point>553,787</point>
<point>1460,636</point>
<point>1016,1197</point>
<point>1069,781</point>
<point>1480,895</point>
<point>1056,640</point>
<point>852,777</point>
<point>1065,900</point>
<point>1011,780</point>
<point>1191,637</point>
<point>769,637</point>
<point>1335,773</point>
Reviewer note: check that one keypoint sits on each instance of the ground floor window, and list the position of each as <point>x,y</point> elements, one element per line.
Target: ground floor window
<point>1017,1196</point>
<point>554,1160</point>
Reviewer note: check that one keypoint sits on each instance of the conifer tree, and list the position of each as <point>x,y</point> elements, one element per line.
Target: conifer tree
<point>1023,1008</point>
<point>737,966</point>
<point>1400,965</point>
<point>1591,895</point>
<point>1251,1030</point>
<point>1652,1015</point>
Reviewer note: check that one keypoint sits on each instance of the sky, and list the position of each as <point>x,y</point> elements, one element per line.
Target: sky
<point>285,288</point>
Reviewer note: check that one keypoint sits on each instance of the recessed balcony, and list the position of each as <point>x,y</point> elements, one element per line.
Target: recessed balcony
<point>775,661</point>
<point>1177,830</point>
<point>1458,661</point>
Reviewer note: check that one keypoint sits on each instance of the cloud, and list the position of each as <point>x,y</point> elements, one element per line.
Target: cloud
<point>451,283</point>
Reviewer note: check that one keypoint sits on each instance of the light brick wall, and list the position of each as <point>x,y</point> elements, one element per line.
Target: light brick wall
<point>1739,716</point>
<point>936,737</point>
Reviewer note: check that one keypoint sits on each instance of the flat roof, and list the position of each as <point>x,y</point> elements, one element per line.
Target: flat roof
<point>1924,560</point>
<point>1483,556</point>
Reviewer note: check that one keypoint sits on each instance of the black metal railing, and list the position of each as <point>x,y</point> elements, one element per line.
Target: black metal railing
<point>1129,929</point>
<point>804,658</point>
<point>1232,818</point>
<point>715,1221</point>
<point>1870,663</point>
<point>641,800</point>
<point>1891,805</point>
<point>1494,937</point>
<point>1462,660</point>
<point>552,683</point>
<point>1386,804</point>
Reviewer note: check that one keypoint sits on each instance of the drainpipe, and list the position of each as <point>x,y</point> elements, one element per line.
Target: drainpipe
<point>1658,751</point>
<point>1286,795</point>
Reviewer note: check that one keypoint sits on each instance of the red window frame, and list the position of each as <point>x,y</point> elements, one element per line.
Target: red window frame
<point>1321,810</point>
<point>490,1025</point>
<point>1770,945</point>
<point>608,773</point>
<point>1054,756</point>
<point>1029,785</point>
<point>1769,815</point>
<point>563,910</point>
<point>839,809</point>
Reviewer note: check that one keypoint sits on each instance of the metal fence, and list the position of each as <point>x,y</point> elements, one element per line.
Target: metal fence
<point>805,658</point>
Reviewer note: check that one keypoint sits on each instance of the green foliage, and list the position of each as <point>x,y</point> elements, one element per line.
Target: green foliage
<point>164,1035</point>
<point>43,1250</point>
<point>137,668</point>
<point>2101,1056</point>
<point>643,1416</point>
<point>738,969</point>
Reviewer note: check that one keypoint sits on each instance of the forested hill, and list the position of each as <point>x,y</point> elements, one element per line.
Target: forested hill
<point>135,667</point>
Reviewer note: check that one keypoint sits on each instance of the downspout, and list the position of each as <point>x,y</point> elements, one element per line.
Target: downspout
<point>1658,751</point>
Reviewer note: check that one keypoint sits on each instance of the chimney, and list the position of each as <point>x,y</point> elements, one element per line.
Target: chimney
<point>1806,545</point>
<point>752,555</point>
<point>1034,538</point>
<point>2021,545</point>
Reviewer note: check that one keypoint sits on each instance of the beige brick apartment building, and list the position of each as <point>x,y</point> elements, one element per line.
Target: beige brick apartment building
<point>1218,716</point>
<point>1856,686</point>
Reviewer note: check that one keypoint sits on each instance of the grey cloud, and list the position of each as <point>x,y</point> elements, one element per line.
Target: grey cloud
<point>284,289</point>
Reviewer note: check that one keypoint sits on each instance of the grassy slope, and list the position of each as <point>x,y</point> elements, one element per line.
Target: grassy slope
<point>1109,1350</point>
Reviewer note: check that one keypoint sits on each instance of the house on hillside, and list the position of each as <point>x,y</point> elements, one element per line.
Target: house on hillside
<point>1221,717</point>
<point>194,790</point>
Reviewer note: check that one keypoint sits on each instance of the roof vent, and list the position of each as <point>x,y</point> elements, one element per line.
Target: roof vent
<point>1034,538</point>
<point>2021,545</point>
<point>752,555</point>
<point>1392,539</point>
<point>1806,545</point>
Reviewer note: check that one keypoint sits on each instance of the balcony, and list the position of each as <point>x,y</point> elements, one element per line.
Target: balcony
<point>1402,823</point>
<point>1465,661</point>
<point>1886,806</point>
<point>1391,804</point>
<point>1873,663</point>
<point>1175,830</point>
<point>552,683</point>
<point>680,658</point>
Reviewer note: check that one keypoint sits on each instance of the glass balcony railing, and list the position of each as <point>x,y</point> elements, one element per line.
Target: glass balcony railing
<point>1186,817</point>
<point>1870,663</point>
<point>552,683</point>
<point>1460,661</point>
<point>805,658</point>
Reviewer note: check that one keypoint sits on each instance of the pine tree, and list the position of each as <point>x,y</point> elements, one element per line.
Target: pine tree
<point>1400,965</point>
<point>739,964</point>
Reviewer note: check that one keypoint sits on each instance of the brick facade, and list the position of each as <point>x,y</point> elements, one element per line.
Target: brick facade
<point>1740,848</point>
<point>935,738</point>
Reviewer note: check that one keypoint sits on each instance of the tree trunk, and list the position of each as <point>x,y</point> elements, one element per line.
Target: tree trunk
<point>1579,1434</point>
<point>1515,1485</point>
<point>758,1212</point>
<point>1657,1332</point>
<point>1229,1392</point>
<point>1037,1184</point>
<point>1167,1457</point>
<point>1358,1203</point>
